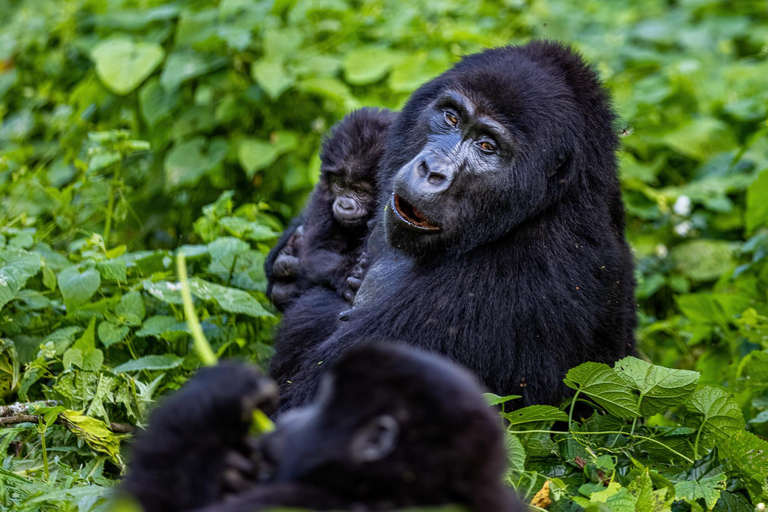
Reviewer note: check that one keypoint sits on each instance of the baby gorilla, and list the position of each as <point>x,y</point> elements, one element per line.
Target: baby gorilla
<point>392,427</point>
<point>323,247</point>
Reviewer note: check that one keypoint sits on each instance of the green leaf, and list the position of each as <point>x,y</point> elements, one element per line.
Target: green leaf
<point>16,267</point>
<point>515,453</point>
<point>156,325</point>
<point>154,362</point>
<point>493,399</point>
<point>748,454</point>
<point>255,155</point>
<point>535,414</point>
<point>722,416</point>
<point>84,353</point>
<point>272,77</point>
<point>155,102</point>
<point>113,270</point>
<point>603,385</point>
<point>131,308</point>
<point>122,64</point>
<point>167,292</point>
<point>369,64</point>
<point>109,333</point>
<point>189,161</point>
<point>703,260</point>
<point>659,388</point>
<point>707,488</point>
<point>78,288</point>
<point>231,300</point>
<point>757,202</point>
<point>94,432</point>
<point>183,65</point>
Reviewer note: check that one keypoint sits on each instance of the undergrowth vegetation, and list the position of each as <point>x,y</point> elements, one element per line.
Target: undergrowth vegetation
<point>131,130</point>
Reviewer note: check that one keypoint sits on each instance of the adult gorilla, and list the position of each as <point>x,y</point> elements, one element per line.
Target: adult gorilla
<point>500,240</point>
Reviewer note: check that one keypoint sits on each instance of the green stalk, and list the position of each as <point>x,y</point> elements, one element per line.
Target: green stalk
<point>41,429</point>
<point>111,204</point>
<point>202,347</point>
<point>570,413</point>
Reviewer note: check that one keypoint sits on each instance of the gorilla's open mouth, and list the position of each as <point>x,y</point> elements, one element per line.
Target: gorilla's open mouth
<point>407,213</point>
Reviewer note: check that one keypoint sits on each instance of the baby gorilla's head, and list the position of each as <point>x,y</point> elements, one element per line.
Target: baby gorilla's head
<point>349,160</point>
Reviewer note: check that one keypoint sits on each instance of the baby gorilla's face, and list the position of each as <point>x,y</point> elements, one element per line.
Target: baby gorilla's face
<point>353,201</point>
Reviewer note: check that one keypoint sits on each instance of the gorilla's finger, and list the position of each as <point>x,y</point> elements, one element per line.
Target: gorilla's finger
<point>238,461</point>
<point>354,282</point>
<point>235,481</point>
<point>283,293</point>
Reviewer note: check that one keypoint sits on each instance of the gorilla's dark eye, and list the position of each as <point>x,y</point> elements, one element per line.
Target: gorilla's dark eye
<point>451,118</point>
<point>487,146</point>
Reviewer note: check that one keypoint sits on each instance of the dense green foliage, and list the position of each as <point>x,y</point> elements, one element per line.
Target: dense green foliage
<point>132,129</point>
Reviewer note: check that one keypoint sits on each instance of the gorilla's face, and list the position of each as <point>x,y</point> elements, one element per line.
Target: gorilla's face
<point>458,179</point>
<point>494,142</point>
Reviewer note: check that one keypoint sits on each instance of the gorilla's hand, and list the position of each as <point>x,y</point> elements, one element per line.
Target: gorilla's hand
<point>180,462</point>
<point>285,271</point>
<point>355,278</point>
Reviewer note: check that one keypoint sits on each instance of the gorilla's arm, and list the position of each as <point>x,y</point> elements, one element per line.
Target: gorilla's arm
<point>178,463</point>
<point>310,320</point>
<point>282,265</point>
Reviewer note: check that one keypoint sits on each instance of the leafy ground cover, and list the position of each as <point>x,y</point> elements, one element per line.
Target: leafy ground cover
<point>131,130</point>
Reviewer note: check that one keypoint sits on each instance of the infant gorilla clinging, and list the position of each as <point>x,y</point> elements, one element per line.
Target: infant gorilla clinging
<point>323,245</point>
<point>392,427</point>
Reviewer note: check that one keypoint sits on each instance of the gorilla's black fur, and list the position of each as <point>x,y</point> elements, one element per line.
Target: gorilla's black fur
<point>393,428</point>
<point>502,242</point>
<point>323,245</point>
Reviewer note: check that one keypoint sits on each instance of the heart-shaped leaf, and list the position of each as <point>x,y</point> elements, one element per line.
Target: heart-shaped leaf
<point>122,64</point>
<point>78,288</point>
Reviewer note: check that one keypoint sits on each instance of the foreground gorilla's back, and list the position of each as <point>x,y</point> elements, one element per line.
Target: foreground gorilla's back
<point>500,239</point>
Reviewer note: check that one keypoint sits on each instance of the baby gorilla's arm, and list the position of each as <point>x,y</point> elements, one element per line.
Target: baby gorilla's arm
<point>180,461</point>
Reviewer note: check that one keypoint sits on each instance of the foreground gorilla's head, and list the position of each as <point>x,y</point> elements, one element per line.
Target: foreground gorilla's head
<point>398,425</point>
<point>497,140</point>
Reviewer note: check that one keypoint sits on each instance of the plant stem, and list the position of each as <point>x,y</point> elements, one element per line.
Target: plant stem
<point>111,204</point>
<point>42,428</point>
<point>202,347</point>
<point>644,438</point>
<point>570,413</point>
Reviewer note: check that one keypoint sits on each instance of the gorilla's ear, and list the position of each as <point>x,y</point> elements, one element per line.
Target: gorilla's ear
<point>376,439</point>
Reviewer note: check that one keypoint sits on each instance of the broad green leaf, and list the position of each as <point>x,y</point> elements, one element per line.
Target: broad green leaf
<point>535,414</point>
<point>748,454</point>
<point>756,368</point>
<point>188,162</point>
<point>493,399</point>
<point>155,102</point>
<point>183,65</point>
<point>131,308</point>
<point>113,270</point>
<point>272,77</point>
<point>703,260</point>
<point>660,388</point>
<point>165,291</point>
<point>716,411</point>
<point>369,64</point>
<point>77,288</point>
<point>83,352</point>
<point>515,453</point>
<point>279,43</point>
<point>109,333</point>
<point>707,488</point>
<point>153,362</point>
<point>255,155</point>
<point>757,202</point>
<point>229,299</point>
<point>246,229</point>
<point>156,325</point>
<point>123,64</point>
<point>16,267</point>
<point>603,385</point>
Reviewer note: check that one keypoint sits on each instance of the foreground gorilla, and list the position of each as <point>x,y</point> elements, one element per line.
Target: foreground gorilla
<point>393,427</point>
<point>500,238</point>
<point>322,247</point>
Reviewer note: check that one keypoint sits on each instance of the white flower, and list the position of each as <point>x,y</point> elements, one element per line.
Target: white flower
<point>661,251</point>
<point>682,206</point>
<point>684,228</point>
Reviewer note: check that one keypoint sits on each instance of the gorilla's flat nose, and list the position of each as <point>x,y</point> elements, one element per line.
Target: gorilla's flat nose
<point>434,175</point>
<point>346,204</point>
